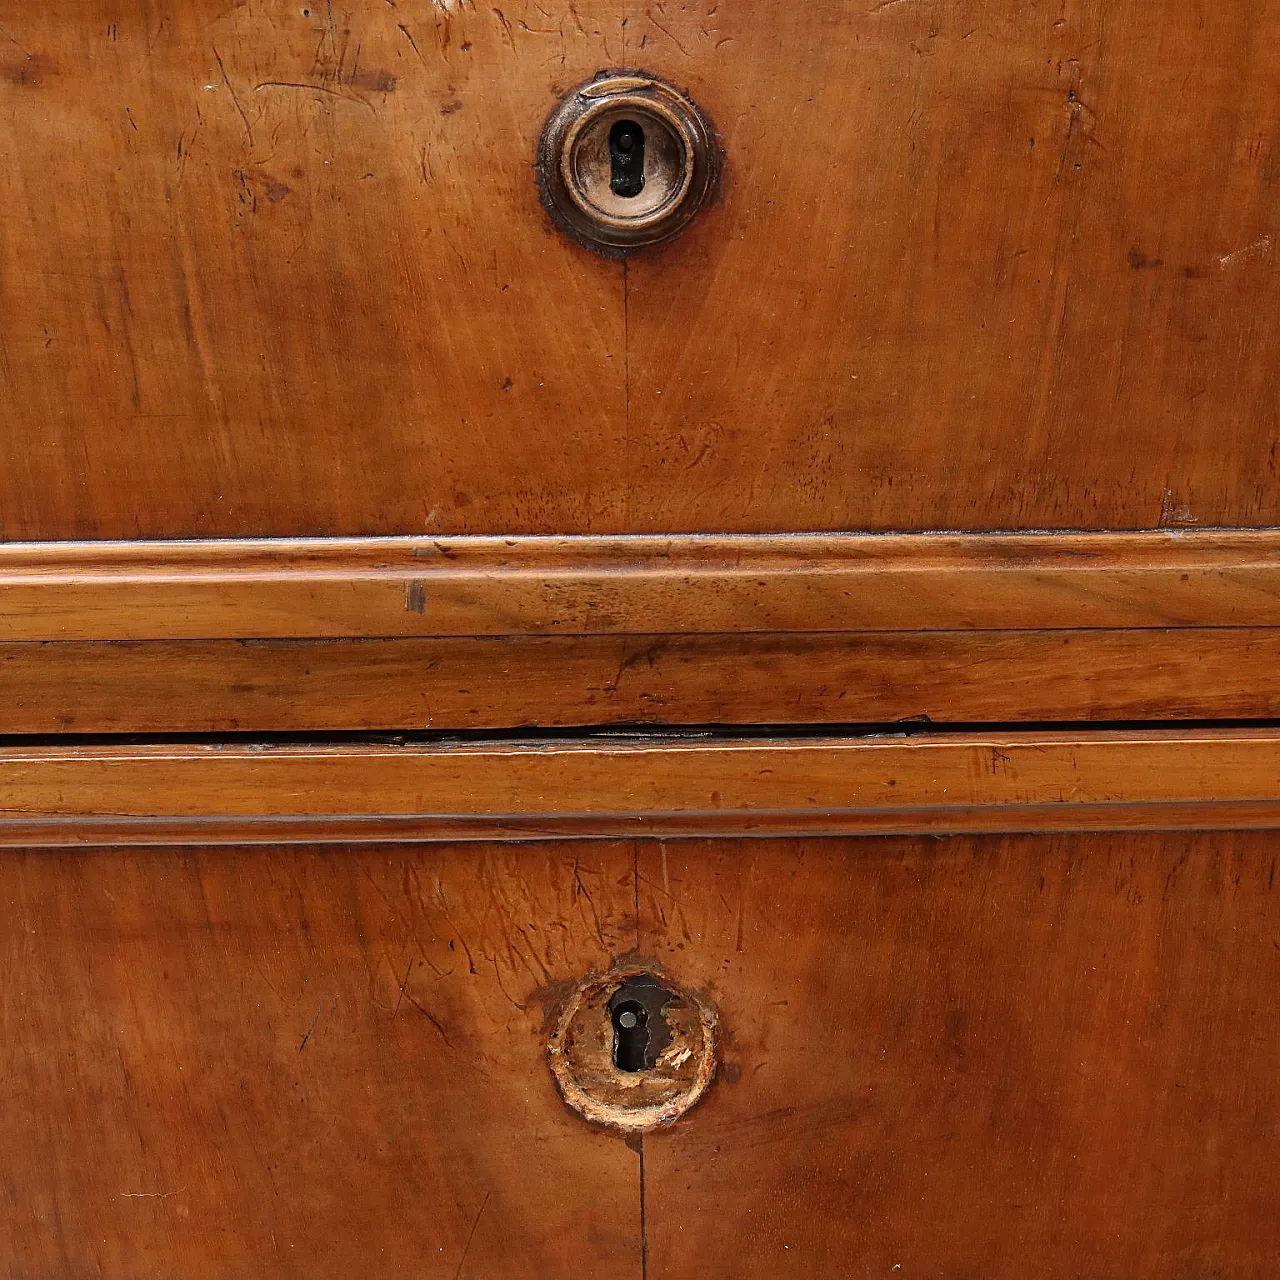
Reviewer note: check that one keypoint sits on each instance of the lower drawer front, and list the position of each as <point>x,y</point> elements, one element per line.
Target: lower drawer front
<point>985,1057</point>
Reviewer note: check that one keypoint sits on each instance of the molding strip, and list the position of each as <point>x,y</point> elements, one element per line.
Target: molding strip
<point>472,587</point>
<point>1009,782</point>
<point>567,682</point>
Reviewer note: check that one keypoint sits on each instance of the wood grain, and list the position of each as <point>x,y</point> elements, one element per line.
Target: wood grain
<point>565,682</point>
<point>984,1057</point>
<point>977,265</point>
<point>256,793</point>
<point>963,1058</point>
<point>281,269</point>
<point>313,423</point>
<point>320,588</point>
<point>304,1063</point>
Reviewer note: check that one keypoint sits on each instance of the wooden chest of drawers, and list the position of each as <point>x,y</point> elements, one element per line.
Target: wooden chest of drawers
<point>436,648</point>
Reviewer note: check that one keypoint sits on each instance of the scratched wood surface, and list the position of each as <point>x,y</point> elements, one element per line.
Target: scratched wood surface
<point>991,1057</point>
<point>278,267</point>
<point>973,1058</point>
<point>242,1063</point>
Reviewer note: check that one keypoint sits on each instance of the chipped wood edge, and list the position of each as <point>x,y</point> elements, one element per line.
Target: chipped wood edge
<point>610,1115</point>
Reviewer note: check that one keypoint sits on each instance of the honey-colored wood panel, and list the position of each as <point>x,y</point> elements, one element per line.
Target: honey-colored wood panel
<point>993,1058</point>
<point>301,1063</point>
<point>566,682</point>
<point>253,792</point>
<point>983,264</point>
<point>279,268</point>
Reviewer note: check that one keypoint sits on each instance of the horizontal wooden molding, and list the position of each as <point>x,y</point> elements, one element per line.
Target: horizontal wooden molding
<point>500,683</point>
<point>402,587</point>
<point>1006,782</point>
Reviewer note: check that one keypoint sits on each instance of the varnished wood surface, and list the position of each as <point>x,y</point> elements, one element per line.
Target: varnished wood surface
<point>878,631</point>
<point>1000,781</point>
<point>565,682</point>
<point>281,269</point>
<point>993,1057</point>
<point>973,1058</point>
<point>322,588</point>
<point>243,1064</point>
<point>278,270</point>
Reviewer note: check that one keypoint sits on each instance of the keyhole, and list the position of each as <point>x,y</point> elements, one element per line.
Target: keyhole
<point>630,1036</point>
<point>626,155</point>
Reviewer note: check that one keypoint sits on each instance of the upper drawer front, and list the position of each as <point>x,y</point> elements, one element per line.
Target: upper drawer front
<point>281,268</point>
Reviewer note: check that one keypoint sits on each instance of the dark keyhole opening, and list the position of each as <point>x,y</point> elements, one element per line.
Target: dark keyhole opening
<point>637,1011</point>
<point>630,1036</point>
<point>626,156</point>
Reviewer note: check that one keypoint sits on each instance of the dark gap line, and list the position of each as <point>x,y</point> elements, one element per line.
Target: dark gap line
<point>627,732</point>
<point>775,535</point>
<point>564,638</point>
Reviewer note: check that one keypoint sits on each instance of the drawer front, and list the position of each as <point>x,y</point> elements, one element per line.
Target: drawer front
<point>977,1056</point>
<point>282,269</point>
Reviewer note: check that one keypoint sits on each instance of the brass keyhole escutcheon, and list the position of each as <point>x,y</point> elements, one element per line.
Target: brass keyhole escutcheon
<point>625,160</point>
<point>631,1050</point>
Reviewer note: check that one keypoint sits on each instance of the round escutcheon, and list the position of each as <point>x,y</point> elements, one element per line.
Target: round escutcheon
<point>625,160</point>
<point>631,1050</point>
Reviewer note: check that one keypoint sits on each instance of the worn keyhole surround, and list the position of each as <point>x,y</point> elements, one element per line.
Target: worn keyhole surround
<point>625,161</point>
<point>631,1050</point>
